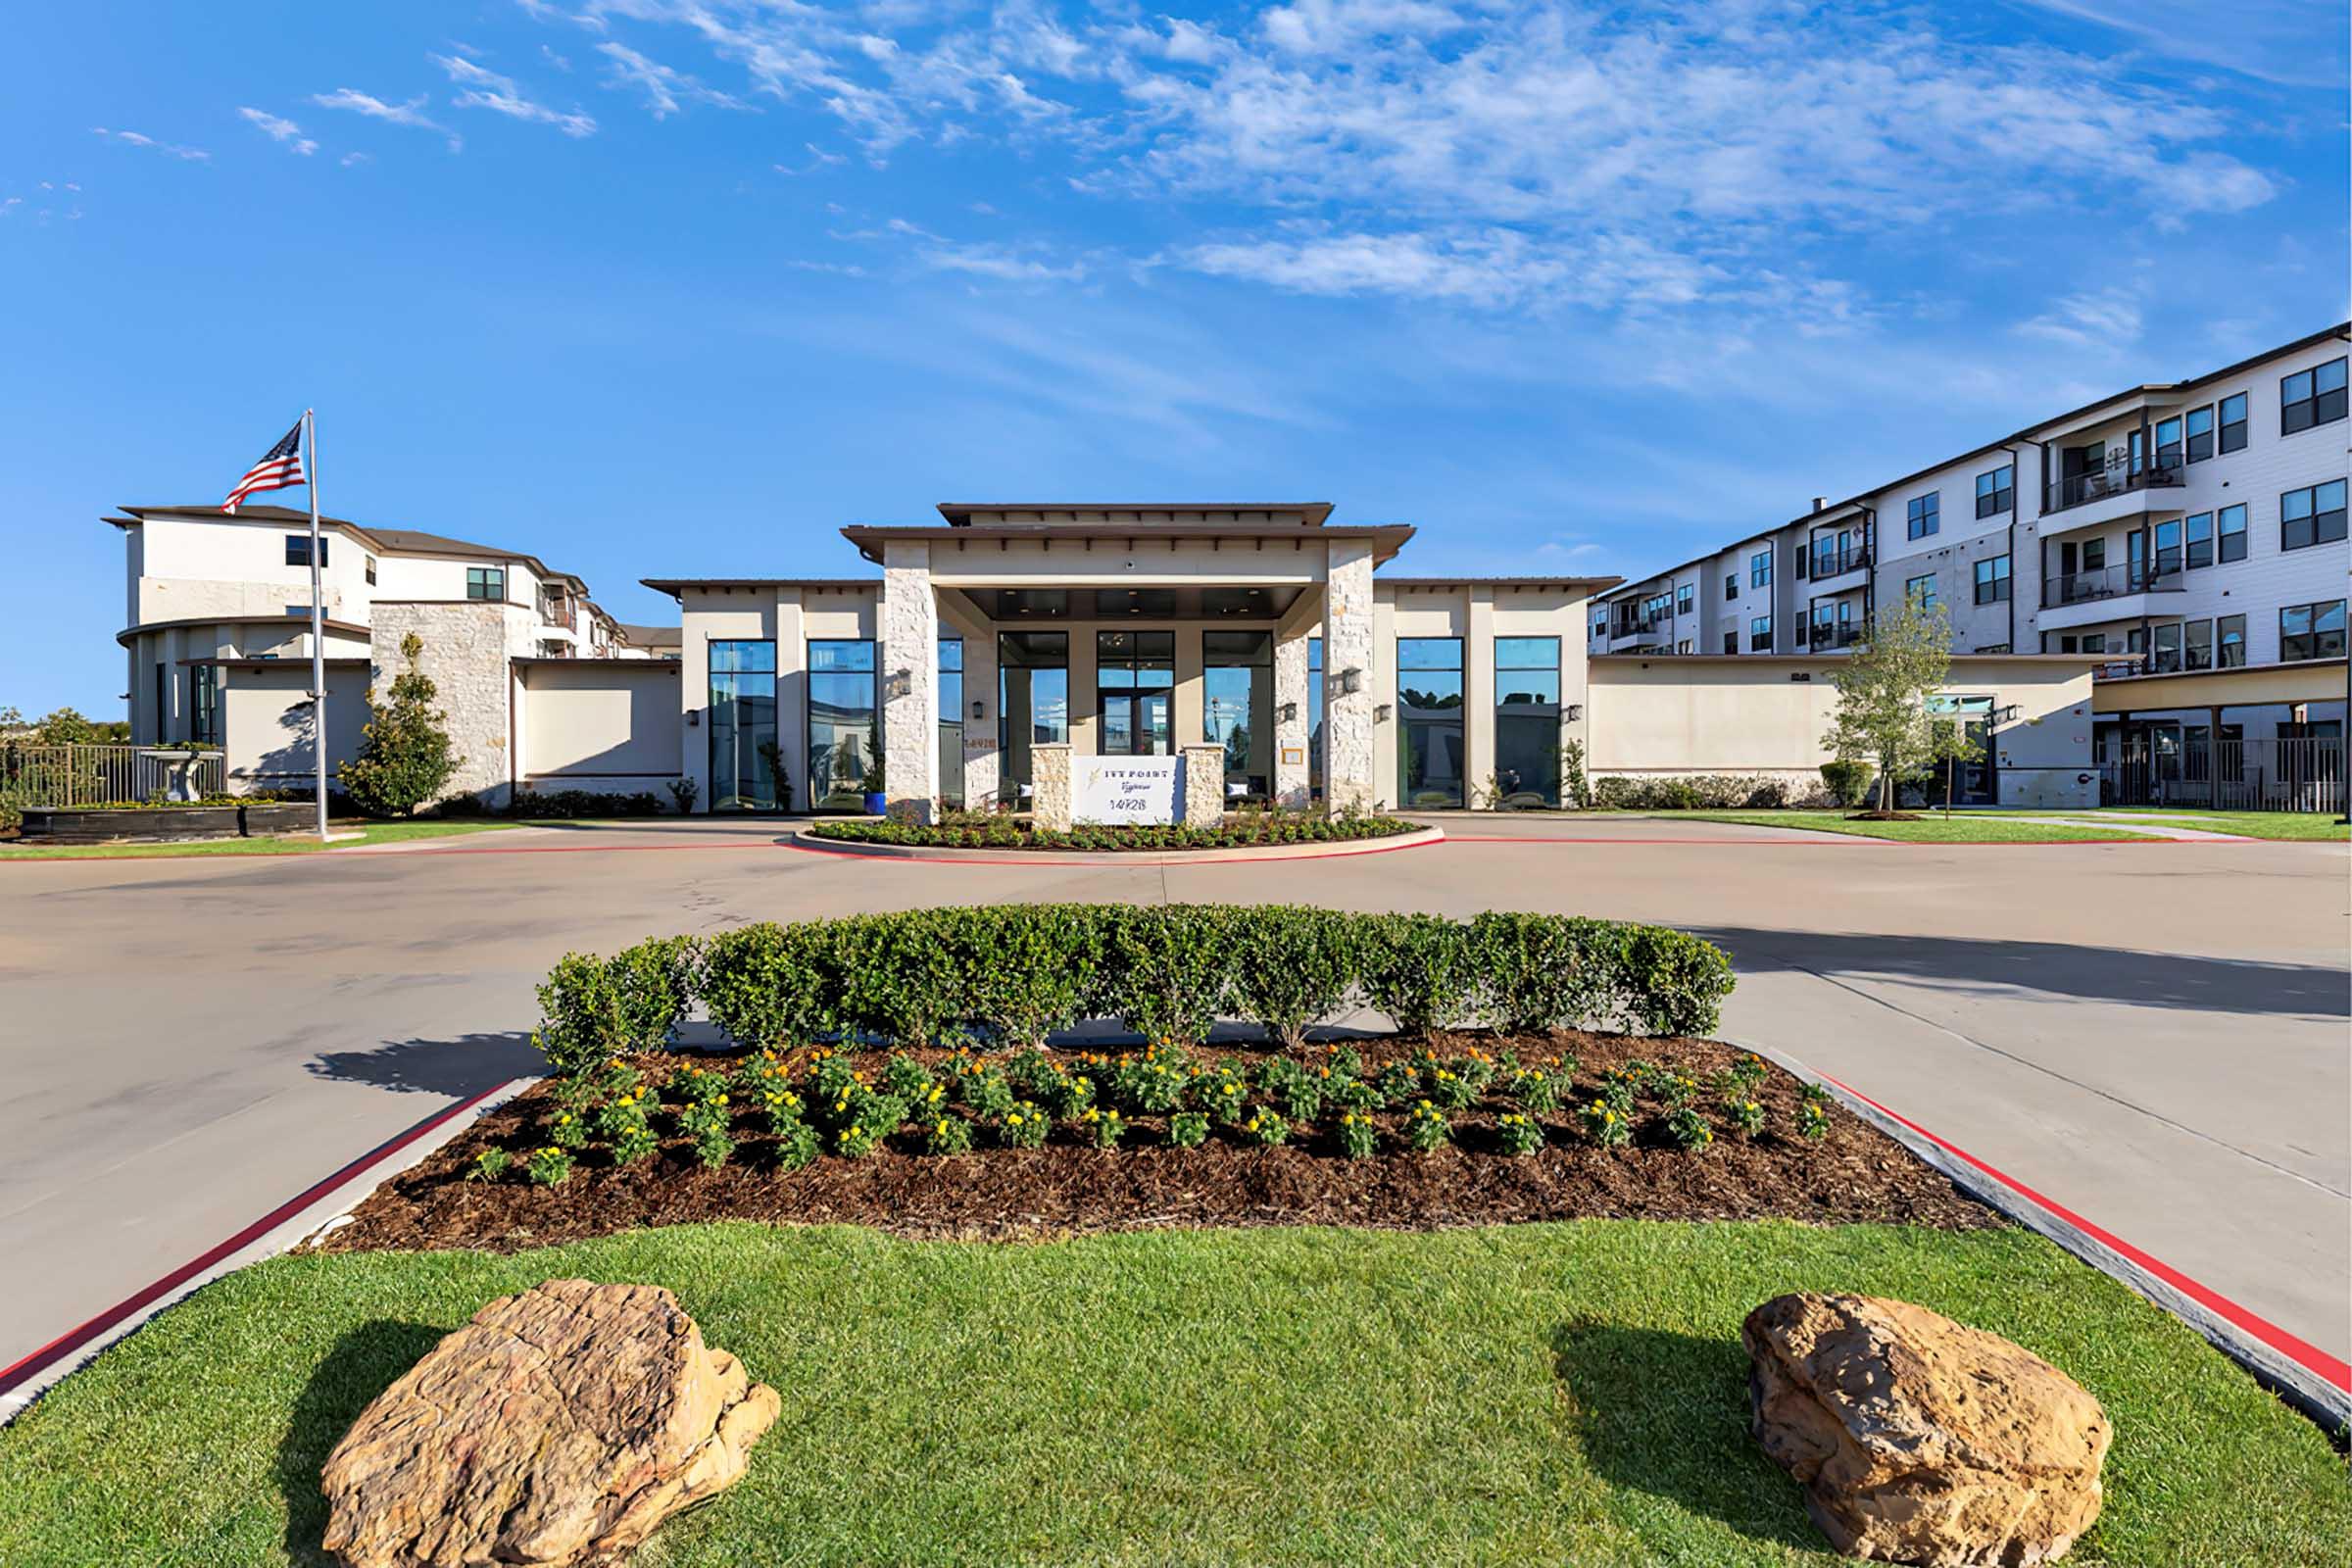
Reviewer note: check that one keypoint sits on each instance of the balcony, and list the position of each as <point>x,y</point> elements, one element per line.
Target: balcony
<point>2110,593</point>
<point>1832,637</point>
<point>2111,494</point>
<point>1829,563</point>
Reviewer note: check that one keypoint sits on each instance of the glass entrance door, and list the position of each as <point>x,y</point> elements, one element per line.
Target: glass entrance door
<point>1134,723</point>
<point>1135,676</point>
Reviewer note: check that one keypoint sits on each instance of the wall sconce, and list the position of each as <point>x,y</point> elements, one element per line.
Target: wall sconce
<point>694,718</point>
<point>2005,715</point>
<point>900,683</point>
<point>979,708</point>
<point>1576,710</point>
<point>1379,714</point>
<point>1352,681</point>
<point>1287,714</point>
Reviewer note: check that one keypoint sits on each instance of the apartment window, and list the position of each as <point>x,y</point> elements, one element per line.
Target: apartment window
<point>1687,646</point>
<point>297,550</point>
<point>1759,569</point>
<point>2233,422</point>
<point>2168,648</point>
<point>1600,626</point>
<point>2311,631</point>
<point>1993,580</point>
<point>2196,648</point>
<point>2230,635</point>
<point>844,753</point>
<point>2232,522</point>
<point>1429,711</point>
<point>2199,529</point>
<point>1921,591</point>
<point>2168,443</point>
<point>203,701</point>
<point>1759,635</point>
<point>2091,642</point>
<point>1920,514</point>
<point>488,582</point>
<point>1527,716</point>
<point>1730,642</point>
<point>2200,433</point>
<point>1996,490</point>
<point>1685,598</point>
<point>2312,515</point>
<point>742,725</point>
<point>1731,587</point>
<point>2311,397</point>
<point>2168,548</point>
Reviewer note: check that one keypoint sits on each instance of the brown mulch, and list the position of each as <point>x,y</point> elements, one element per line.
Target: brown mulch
<point>1854,1174</point>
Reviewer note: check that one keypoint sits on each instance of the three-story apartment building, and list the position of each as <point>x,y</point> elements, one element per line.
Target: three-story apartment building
<point>2191,534</point>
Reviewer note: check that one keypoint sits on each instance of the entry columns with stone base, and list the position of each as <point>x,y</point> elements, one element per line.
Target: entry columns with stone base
<point>910,681</point>
<point>1203,786</point>
<point>1049,786</point>
<point>1348,691</point>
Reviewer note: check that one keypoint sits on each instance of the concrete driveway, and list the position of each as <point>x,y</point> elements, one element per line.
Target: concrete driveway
<point>2152,1034</point>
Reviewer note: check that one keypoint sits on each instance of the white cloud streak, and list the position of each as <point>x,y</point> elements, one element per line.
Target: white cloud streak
<point>410,113</point>
<point>503,95</point>
<point>132,138</point>
<point>285,132</point>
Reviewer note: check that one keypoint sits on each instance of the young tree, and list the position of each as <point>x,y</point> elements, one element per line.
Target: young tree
<point>1883,692</point>
<point>1948,744</point>
<point>404,755</point>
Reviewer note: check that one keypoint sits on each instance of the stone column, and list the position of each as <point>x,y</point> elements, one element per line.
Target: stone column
<point>1291,782</point>
<point>909,680</point>
<point>1348,774</point>
<point>1049,786</point>
<point>1203,785</point>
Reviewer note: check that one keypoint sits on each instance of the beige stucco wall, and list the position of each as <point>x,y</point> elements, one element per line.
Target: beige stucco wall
<point>598,724</point>
<point>265,723</point>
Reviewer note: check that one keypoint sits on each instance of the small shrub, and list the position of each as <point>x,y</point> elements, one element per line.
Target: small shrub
<point>1747,1119</point>
<point>1153,1084</point>
<point>1301,966</point>
<point>705,1124</point>
<point>1426,1128</point>
<point>1605,1124</point>
<point>1358,1137</point>
<point>797,1146</point>
<point>906,1078</point>
<point>683,792</point>
<point>1674,1090</point>
<point>568,1130</point>
<point>1104,1127</point>
<point>1167,969</point>
<point>1518,1134</point>
<point>549,1166</point>
<point>1069,1094</point>
<point>1188,1128</point>
<point>1536,1088</point>
<point>653,984</point>
<point>1267,1127</point>
<point>857,1140</point>
<point>488,1166</point>
<point>1689,1129</point>
<point>1022,1126</point>
<point>1748,1070</point>
<point>947,1135</point>
<point>986,1093</point>
<point>1448,1088</point>
<point>1812,1119</point>
<point>1419,969</point>
<point>582,1021</point>
<point>1296,1090</point>
<point>1032,1072</point>
<point>1849,782</point>
<point>1396,1082</point>
<point>1223,1091</point>
<point>1356,1095</point>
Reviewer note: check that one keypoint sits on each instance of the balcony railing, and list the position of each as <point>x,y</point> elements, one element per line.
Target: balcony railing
<point>1842,635</point>
<point>2107,582</point>
<point>1831,561</point>
<point>2115,480</point>
<point>557,613</point>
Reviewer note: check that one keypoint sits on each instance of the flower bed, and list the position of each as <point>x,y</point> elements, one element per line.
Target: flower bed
<point>992,830</point>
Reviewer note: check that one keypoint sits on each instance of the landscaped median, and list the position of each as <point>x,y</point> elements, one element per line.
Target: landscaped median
<point>1231,1298</point>
<point>997,830</point>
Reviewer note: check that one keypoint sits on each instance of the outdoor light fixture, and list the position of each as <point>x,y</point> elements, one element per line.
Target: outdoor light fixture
<point>1352,681</point>
<point>1379,714</point>
<point>1288,713</point>
<point>1576,710</point>
<point>900,683</point>
<point>978,710</point>
<point>2006,714</point>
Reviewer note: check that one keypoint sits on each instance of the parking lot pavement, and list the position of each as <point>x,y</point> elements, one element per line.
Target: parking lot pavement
<point>2151,1034</point>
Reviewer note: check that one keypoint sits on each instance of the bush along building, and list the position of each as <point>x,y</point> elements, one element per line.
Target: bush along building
<point>2189,537</point>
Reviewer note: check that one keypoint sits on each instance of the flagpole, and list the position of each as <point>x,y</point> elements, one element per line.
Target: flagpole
<point>309,433</point>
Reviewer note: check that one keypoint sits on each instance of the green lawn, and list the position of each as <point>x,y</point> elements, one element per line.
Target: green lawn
<point>1556,1393</point>
<point>372,833</point>
<point>2290,826</point>
<point>1964,827</point>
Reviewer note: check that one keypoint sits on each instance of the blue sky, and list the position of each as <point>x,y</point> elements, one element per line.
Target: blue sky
<point>674,287</point>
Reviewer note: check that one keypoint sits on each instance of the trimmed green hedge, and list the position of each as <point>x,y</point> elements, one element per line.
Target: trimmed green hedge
<point>1014,975</point>
<point>975,830</point>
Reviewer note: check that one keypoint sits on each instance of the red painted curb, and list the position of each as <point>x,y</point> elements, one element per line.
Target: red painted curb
<point>65,1344</point>
<point>2309,1356</point>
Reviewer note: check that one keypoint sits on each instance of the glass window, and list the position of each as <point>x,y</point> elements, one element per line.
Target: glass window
<point>1687,645</point>
<point>2167,648</point>
<point>2168,548</point>
<point>1237,707</point>
<point>1993,580</point>
<point>845,751</point>
<point>742,725</point>
<point>2197,646</point>
<point>2233,422</point>
<point>487,582</point>
<point>1996,490</point>
<point>1921,591</point>
<point>1759,634</point>
<point>1759,569</point>
<point>1731,586</point>
<point>1033,702</point>
<point>950,724</point>
<point>2168,443</point>
<point>2312,515</point>
<point>2199,529</point>
<point>2200,433</point>
<point>371,571</point>
<point>1527,717</point>
<point>297,550</point>
<point>1429,712</point>
<point>204,696</point>
<point>2230,633</point>
<point>1314,717</point>
<point>2232,522</point>
<point>1922,514</point>
<point>1730,642</point>
<point>1685,598</point>
<point>2312,631</point>
<point>2311,397</point>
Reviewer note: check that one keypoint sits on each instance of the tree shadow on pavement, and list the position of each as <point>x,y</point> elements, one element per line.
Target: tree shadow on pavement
<point>2059,969</point>
<point>451,1067</point>
<point>1666,1414</point>
<point>362,1365</point>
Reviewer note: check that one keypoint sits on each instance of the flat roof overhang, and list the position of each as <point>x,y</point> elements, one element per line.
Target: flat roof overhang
<point>1084,538</point>
<point>2320,681</point>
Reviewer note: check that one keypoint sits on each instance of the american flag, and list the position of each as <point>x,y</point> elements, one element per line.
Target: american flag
<point>280,468</point>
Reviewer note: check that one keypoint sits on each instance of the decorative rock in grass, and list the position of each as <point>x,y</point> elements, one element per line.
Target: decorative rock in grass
<point>1920,1440</point>
<point>559,1427</point>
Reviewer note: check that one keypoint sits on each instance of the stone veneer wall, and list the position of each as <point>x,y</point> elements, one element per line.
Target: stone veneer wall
<point>909,675</point>
<point>466,648</point>
<point>1292,787</point>
<point>1049,786</point>
<point>1203,786</point>
<point>1347,727</point>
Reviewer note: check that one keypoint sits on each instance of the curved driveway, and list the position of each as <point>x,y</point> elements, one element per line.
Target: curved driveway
<point>2152,1034</point>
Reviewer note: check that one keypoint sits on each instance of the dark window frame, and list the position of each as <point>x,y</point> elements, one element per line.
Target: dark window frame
<point>2230,434</point>
<point>2230,544</point>
<point>297,550</point>
<point>2002,496</point>
<point>2196,546</point>
<point>2317,637</point>
<point>2197,446</point>
<point>1759,568</point>
<point>1923,515</point>
<point>2321,402</point>
<point>1925,599</point>
<point>2229,636</point>
<point>1759,634</point>
<point>481,580</point>
<point>1995,579</point>
<point>2319,530</point>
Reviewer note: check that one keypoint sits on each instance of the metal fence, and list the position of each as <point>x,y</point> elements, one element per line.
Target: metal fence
<point>104,775</point>
<point>2305,773</point>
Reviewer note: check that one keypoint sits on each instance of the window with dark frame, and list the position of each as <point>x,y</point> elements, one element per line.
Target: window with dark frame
<point>371,571</point>
<point>2196,648</point>
<point>1685,598</point>
<point>2168,648</point>
<point>2200,433</point>
<point>203,701</point>
<point>1759,569</point>
<point>2168,548</point>
<point>2309,398</point>
<point>297,550</point>
<point>2312,515</point>
<point>2168,443</point>
<point>1921,591</point>
<point>1996,490</point>
<point>1759,635</point>
<point>1731,587</point>
<point>2197,528</point>
<point>2233,422</point>
<point>1922,514</point>
<point>1993,580</point>
<point>2233,523</point>
<point>2311,631</point>
<point>1731,641</point>
<point>487,582</point>
<point>2229,638</point>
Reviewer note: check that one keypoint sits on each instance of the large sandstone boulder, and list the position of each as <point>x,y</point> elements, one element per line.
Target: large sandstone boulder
<point>559,1427</point>
<point>1920,1440</point>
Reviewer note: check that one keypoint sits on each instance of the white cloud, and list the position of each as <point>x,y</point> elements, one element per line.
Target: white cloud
<point>282,131</point>
<point>503,95</point>
<point>663,86</point>
<point>354,159</point>
<point>2296,44</point>
<point>410,114</point>
<point>132,138</point>
<point>2107,320</point>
